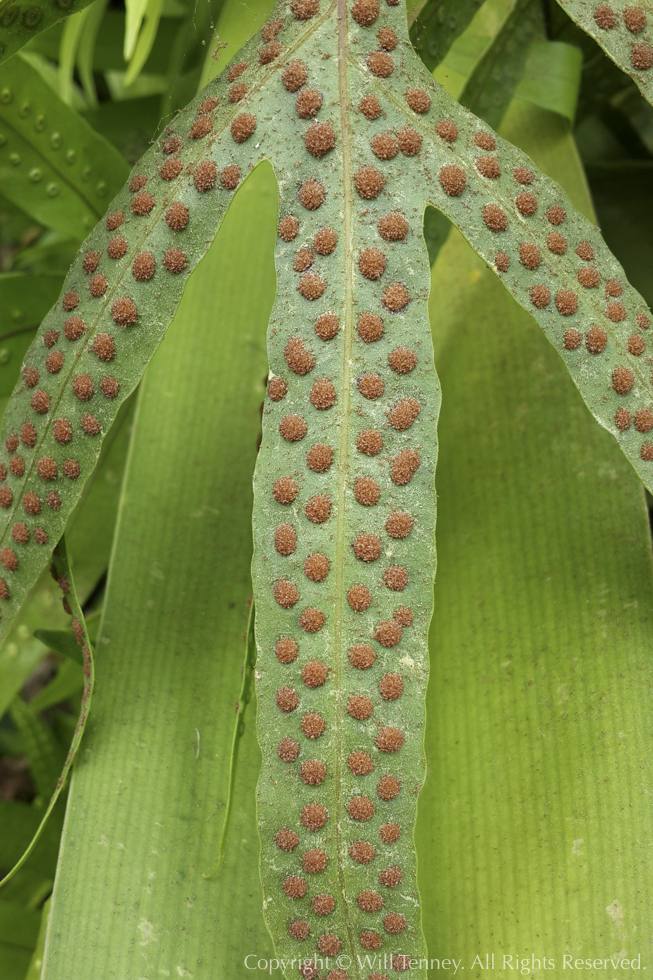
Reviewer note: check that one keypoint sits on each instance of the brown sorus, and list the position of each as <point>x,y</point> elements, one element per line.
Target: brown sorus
<point>286,840</point>
<point>388,788</point>
<point>418,99</point>
<point>277,389</point>
<point>294,75</point>
<point>360,707</point>
<point>323,394</point>
<point>285,539</point>
<point>361,808</point>
<point>314,816</point>
<point>372,263</point>
<point>62,431</point>
<point>325,241</point>
<point>365,12</point>
<point>367,547</point>
<point>362,852</point>
<point>114,220</point>
<point>312,772</point>
<point>124,312</point>
<point>371,386</point>
<point>369,442</point>
<point>286,593</point>
<point>311,194</point>
<point>399,524</point>
<point>288,749</point>
<point>389,739</point>
<point>370,901</point>
<point>388,633</point>
<point>109,387</point>
<point>314,673</point>
<point>319,139</point>
<point>319,457</point>
<point>316,567</point>
<point>313,725</point>
<point>286,699</point>
<point>453,179</point>
<point>360,763</point>
<point>177,216</point>
<point>83,387</point>
<point>286,650</point>
<point>298,929</point>
<point>367,491</point>
<point>171,168</point>
<point>143,266</point>
<point>572,338</point>
<point>117,247</point>
<point>369,182</point>
<point>370,106</point>
<point>393,227</point>
<point>285,490</point>
<point>623,380</point>
<point>447,130</point>
<point>327,326</point>
<point>312,620</point>
<point>391,687</point>
<point>404,466</point>
<point>205,175</point>
<point>362,656</point>
<point>243,126</point>
<point>596,340</point>
<point>402,360</point>
<point>395,297</point>
<point>54,361</point>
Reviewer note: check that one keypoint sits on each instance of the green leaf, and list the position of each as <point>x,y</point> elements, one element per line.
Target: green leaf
<point>25,300</point>
<point>67,682</point>
<point>43,750</point>
<point>20,23</point>
<point>139,54</point>
<point>489,88</point>
<point>149,794</point>
<point>354,186</point>
<point>18,925</point>
<point>36,963</point>
<point>540,639</point>
<point>551,77</point>
<point>52,164</point>
<point>624,33</point>
<point>435,25</point>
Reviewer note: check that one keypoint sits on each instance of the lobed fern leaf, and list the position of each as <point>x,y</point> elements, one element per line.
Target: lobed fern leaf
<point>362,140</point>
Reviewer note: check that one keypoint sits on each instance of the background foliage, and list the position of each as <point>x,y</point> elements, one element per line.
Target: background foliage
<point>535,818</point>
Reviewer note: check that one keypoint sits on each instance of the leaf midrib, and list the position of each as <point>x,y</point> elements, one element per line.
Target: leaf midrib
<point>343,457</point>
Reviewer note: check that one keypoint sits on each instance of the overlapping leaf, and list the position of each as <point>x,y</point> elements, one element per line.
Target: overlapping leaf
<point>344,557</point>
<point>625,32</point>
<point>21,20</point>
<point>52,164</point>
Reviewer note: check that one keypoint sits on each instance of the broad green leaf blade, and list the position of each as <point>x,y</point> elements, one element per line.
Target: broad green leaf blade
<point>20,23</point>
<point>52,164</point>
<point>625,32</point>
<point>534,822</point>
<point>551,77</point>
<point>353,185</point>
<point>148,799</point>
<point>435,25</point>
<point>24,301</point>
<point>491,85</point>
<point>49,771</point>
<point>36,963</point>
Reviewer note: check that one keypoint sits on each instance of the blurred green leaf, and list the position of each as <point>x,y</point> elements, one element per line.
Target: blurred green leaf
<point>24,301</point>
<point>19,25</point>
<point>18,925</point>
<point>491,85</point>
<point>172,647</point>
<point>68,681</point>
<point>551,77</point>
<point>534,821</point>
<point>52,164</point>
<point>43,751</point>
<point>36,963</point>
<point>435,25</point>
<point>139,54</point>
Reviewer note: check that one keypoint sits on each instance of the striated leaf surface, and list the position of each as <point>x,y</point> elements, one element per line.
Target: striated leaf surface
<point>52,164</point>
<point>361,139</point>
<point>625,32</point>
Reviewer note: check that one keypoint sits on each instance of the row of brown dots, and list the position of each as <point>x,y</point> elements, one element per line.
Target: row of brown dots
<point>454,182</point>
<point>634,19</point>
<point>301,360</point>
